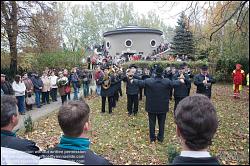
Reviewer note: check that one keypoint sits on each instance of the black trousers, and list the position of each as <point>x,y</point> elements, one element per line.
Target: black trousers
<point>53,94</point>
<point>120,91</point>
<point>161,117</point>
<point>110,102</point>
<point>176,102</point>
<point>116,95</point>
<point>132,102</point>
<point>64,98</point>
<point>189,91</point>
<point>140,94</point>
<point>45,96</point>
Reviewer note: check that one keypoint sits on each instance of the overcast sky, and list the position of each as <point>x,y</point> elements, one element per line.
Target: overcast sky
<point>168,12</point>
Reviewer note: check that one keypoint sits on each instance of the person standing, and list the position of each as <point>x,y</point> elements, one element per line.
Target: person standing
<point>86,82</point>
<point>189,73</point>
<point>97,76</point>
<point>106,90</point>
<point>89,62</point>
<point>29,90</point>
<point>157,101</point>
<point>53,86</point>
<point>132,91</point>
<point>181,82</point>
<point>238,78</point>
<point>46,88</point>
<point>6,86</point>
<point>19,89</point>
<point>68,87</point>
<point>75,81</point>
<point>204,82</point>
<point>61,83</point>
<point>38,85</point>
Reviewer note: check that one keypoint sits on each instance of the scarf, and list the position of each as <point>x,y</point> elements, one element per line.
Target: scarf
<point>74,143</point>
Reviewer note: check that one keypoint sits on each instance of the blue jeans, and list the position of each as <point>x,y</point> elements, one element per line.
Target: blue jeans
<point>20,103</point>
<point>85,89</point>
<point>98,89</point>
<point>75,86</point>
<point>38,98</point>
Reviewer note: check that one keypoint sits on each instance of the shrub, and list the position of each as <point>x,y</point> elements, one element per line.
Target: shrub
<point>28,124</point>
<point>172,153</point>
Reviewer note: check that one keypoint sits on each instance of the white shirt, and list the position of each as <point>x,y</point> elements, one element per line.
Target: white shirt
<point>19,88</point>
<point>195,154</point>
<point>53,80</point>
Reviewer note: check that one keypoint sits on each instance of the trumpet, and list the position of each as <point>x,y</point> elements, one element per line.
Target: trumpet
<point>182,77</point>
<point>129,74</point>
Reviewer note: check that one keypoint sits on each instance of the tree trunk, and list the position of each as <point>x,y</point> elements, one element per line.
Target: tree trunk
<point>13,55</point>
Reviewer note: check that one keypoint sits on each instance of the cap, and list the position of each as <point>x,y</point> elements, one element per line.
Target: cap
<point>204,67</point>
<point>132,65</point>
<point>3,75</point>
<point>159,70</point>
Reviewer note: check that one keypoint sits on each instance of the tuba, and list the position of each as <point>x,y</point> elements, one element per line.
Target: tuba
<point>182,77</point>
<point>106,81</point>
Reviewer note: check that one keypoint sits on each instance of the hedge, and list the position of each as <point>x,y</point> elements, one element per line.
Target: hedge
<point>193,65</point>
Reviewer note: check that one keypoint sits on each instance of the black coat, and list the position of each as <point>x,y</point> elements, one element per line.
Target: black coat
<point>107,92</point>
<point>83,157</point>
<point>9,140</point>
<point>131,89</point>
<point>201,88</point>
<point>180,89</point>
<point>158,91</point>
<point>7,88</point>
<point>37,82</point>
<point>180,160</point>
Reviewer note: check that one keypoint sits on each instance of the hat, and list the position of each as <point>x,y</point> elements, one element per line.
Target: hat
<point>159,70</point>
<point>3,75</point>
<point>204,67</point>
<point>132,65</point>
<point>238,65</point>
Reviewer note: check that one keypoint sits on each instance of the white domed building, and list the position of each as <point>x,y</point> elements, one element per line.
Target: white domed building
<point>130,40</point>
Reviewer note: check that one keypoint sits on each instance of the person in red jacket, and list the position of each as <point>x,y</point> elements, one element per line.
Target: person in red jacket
<point>238,77</point>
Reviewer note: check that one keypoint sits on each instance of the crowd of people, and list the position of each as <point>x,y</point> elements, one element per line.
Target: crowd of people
<point>41,89</point>
<point>195,116</point>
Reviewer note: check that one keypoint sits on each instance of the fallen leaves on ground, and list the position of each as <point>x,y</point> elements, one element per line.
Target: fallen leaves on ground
<point>125,140</point>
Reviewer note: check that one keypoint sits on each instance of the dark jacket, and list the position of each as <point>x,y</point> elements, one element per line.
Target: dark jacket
<point>107,92</point>
<point>9,140</point>
<point>83,157</point>
<point>180,160</point>
<point>180,89</point>
<point>201,88</point>
<point>158,90</point>
<point>7,88</point>
<point>37,82</point>
<point>131,89</point>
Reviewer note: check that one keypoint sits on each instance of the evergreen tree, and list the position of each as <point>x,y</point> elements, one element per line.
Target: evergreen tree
<point>183,40</point>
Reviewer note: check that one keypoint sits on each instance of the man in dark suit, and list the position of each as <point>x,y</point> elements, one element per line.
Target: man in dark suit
<point>181,83</point>
<point>6,86</point>
<point>9,119</point>
<point>132,90</point>
<point>204,82</point>
<point>73,118</point>
<point>157,101</point>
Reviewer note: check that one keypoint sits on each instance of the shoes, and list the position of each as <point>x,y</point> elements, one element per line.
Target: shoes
<point>129,114</point>
<point>135,114</point>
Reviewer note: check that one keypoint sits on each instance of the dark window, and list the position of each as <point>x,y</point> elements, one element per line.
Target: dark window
<point>153,43</point>
<point>117,53</point>
<point>140,52</point>
<point>128,43</point>
<point>108,44</point>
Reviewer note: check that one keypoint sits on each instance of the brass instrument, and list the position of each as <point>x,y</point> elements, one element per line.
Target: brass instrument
<point>129,74</point>
<point>182,77</point>
<point>106,81</point>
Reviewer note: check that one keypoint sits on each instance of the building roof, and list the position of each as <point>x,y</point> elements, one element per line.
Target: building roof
<point>132,29</point>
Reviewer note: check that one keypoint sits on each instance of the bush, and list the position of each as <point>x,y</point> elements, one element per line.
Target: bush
<point>28,124</point>
<point>172,153</point>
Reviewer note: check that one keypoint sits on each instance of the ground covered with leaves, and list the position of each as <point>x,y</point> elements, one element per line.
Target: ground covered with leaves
<point>125,140</point>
